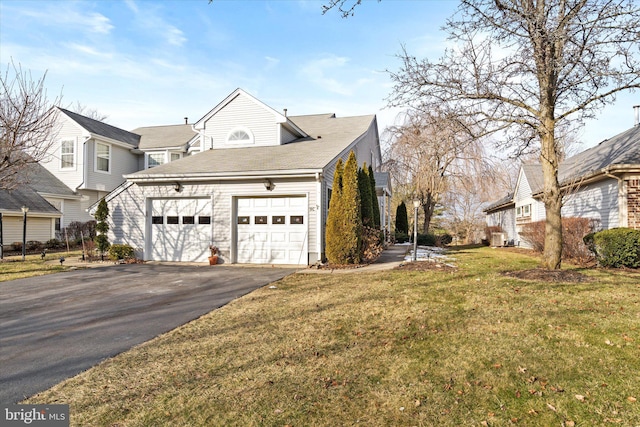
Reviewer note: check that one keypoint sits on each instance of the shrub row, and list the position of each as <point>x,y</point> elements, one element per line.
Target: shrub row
<point>425,239</point>
<point>117,252</point>
<point>573,231</point>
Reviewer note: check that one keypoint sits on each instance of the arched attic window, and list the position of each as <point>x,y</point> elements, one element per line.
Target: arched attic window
<point>240,136</point>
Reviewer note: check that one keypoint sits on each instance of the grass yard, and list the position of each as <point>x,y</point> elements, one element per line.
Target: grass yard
<point>12,267</point>
<point>397,348</point>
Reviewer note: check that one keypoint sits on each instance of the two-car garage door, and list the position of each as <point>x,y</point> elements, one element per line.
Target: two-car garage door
<point>268,230</point>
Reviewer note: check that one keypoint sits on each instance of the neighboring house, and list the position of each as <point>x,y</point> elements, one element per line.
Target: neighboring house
<point>90,157</point>
<point>258,190</point>
<point>601,183</point>
<point>164,144</point>
<point>43,195</point>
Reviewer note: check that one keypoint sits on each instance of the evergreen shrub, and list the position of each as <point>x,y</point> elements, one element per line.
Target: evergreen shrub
<point>617,247</point>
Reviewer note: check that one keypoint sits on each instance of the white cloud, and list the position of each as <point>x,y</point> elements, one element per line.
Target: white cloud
<point>319,72</point>
<point>99,23</point>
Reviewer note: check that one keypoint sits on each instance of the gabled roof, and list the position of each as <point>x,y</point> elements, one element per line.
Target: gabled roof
<point>621,150</point>
<point>37,181</point>
<point>14,200</point>
<point>100,129</point>
<point>505,202</point>
<point>533,173</point>
<point>331,136</point>
<point>278,117</point>
<point>162,137</point>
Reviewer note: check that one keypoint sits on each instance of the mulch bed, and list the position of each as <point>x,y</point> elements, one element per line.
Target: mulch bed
<point>424,266</point>
<point>553,276</point>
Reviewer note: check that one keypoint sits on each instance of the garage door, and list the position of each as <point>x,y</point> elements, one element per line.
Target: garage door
<point>180,229</point>
<point>272,230</point>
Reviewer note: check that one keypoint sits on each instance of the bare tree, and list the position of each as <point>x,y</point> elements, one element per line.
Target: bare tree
<point>27,124</point>
<point>92,113</point>
<point>532,70</point>
<point>425,152</point>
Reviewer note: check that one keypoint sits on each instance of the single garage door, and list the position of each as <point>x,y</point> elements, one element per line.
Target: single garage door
<point>272,230</point>
<point>180,229</point>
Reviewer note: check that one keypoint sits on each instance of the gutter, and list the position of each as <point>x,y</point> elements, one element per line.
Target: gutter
<point>222,176</point>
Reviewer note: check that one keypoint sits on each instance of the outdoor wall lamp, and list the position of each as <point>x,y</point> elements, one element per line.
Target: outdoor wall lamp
<point>416,205</point>
<point>268,184</point>
<point>25,210</point>
<point>177,187</point>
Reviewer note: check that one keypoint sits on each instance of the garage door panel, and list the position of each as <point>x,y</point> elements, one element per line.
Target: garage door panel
<point>180,229</point>
<point>271,232</point>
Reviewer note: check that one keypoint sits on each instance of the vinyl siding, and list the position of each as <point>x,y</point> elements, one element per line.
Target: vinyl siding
<point>122,162</point>
<point>505,218</point>
<point>286,136</point>
<point>128,210</point>
<point>38,229</point>
<point>241,113</point>
<point>67,130</point>
<point>598,201</point>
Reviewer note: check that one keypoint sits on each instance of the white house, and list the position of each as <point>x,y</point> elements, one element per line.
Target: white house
<point>601,183</point>
<point>258,189</point>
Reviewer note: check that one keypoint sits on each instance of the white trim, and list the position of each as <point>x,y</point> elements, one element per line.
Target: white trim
<point>95,157</point>
<point>74,151</point>
<point>244,129</point>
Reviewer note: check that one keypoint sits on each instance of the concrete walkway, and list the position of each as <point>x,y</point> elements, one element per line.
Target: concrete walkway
<point>390,258</point>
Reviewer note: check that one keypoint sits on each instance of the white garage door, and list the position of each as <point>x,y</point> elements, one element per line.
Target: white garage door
<point>180,229</point>
<point>272,230</point>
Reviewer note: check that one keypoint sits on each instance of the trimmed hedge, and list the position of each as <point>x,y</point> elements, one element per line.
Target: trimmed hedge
<point>117,252</point>
<point>617,247</point>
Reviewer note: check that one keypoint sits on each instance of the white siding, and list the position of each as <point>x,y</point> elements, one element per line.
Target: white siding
<point>287,136</point>
<point>505,218</point>
<point>38,229</point>
<point>242,112</point>
<point>129,209</point>
<point>122,162</point>
<point>597,201</point>
<point>67,130</point>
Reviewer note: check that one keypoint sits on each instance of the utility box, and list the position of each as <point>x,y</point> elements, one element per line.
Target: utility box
<point>498,239</point>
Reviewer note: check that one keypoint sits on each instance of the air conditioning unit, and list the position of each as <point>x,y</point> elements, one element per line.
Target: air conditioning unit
<point>498,239</point>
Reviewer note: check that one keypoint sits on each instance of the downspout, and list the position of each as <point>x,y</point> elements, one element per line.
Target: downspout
<point>319,210</point>
<point>85,171</point>
<point>623,217</point>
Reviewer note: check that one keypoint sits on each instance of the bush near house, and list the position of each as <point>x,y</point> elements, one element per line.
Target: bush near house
<point>117,252</point>
<point>402,222</point>
<point>618,247</point>
<point>574,230</point>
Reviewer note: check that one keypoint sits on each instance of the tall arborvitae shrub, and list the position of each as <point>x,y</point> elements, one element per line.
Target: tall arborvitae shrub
<point>374,199</point>
<point>102,213</point>
<point>364,185</point>
<point>351,211</point>
<point>402,222</point>
<point>333,231</point>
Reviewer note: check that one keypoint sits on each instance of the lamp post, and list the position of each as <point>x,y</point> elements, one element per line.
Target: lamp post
<point>416,205</point>
<point>24,231</point>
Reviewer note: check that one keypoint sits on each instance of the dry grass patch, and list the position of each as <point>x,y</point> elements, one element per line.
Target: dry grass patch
<point>458,347</point>
<point>12,268</point>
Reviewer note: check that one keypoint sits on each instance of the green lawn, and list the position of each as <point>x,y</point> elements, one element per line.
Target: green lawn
<point>401,348</point>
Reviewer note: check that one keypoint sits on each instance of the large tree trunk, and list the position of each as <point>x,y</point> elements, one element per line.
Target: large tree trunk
<point>549,158</point>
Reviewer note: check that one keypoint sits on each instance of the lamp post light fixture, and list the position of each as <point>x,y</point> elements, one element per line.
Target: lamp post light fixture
<point>25,210</point>
<point>416,205</point>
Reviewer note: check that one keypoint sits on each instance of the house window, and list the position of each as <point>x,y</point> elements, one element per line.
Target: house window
<point>172,220</point>
<point>188,220</point>
<point>240,136</point>
<point>155,159</point>
<point>67,155</point>
<point>157,220</point>
<point>175,156</point>
<point>204,220</point>
<point>523,211</point>
<point>103,157</point>
<point>277,219</point>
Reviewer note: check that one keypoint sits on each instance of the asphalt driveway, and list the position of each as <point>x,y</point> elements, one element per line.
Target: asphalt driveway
<point>53,327</point>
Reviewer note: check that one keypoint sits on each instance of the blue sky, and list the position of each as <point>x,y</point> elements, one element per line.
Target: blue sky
<point>146,63</point>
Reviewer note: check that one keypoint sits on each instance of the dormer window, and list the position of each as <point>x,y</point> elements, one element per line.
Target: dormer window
<point>240,136</point>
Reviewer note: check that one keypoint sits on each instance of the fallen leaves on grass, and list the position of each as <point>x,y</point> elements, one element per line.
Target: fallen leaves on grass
<point>554,276</point>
